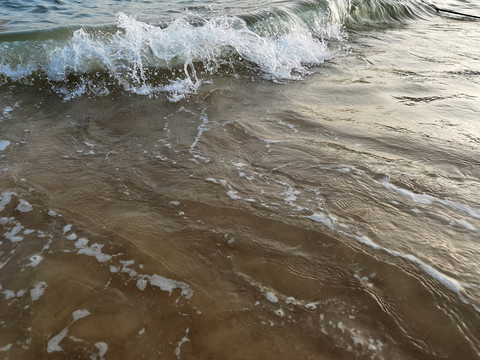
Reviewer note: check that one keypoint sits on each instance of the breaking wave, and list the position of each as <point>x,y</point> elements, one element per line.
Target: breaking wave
<point>176,58</point>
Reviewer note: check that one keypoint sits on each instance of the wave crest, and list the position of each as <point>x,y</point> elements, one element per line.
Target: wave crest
<point>173,59</point>
<point>385,13</point>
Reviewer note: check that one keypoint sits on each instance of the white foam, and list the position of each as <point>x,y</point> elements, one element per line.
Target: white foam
<point>12,234</point>
<point>201,129</point>
<point>38,290</point>
<point>35,260</point>
<point>365,240</point>
<point>2,264</point>
<point>271,297</point>
<point>94,250</point>
<point>138,47</point>
<point>9,294</point>
<point>321,218</point>
<point>215,181</point>
<point>102,349</point>
<point>54,343</point>
<point>429,199</point>
<point>67,228</point>
<point>72,237</point>
<point>4,144</point>
<point>125,268</point>
<point>466,224</point>
<point>81,243</point>
<point>6,220</point>
<point>447,281</point>
<point>181,342</point>
<point>268,141</point>
<point>6,347</point>
<point>233,194</point>
<point>142,283</point>
<point>344,169</point>
<point>161,282</point>
<point>71,337</point>
<point>364,280</point>
<point>239,164</point>
<point>169,285</point>
<point>180,88</point>
<point>5,199</point>
<point>292,127</point>
<point>23,206</point>
<point>292,300</point>
<point>291,195</point>
<point>7,110</point>
<point>80,314</point>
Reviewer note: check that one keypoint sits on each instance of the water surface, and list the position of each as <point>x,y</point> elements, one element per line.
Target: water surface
<point>265,180</point>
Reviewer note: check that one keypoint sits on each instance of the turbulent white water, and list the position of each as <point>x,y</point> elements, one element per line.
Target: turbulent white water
<point>177,56</point>
<point>148,60</point>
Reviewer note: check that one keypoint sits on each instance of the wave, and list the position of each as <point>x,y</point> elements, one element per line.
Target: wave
<point>176,58</point>
<point>386,13</point>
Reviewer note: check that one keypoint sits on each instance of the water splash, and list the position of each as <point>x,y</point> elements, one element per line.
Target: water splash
<point>173,59</point>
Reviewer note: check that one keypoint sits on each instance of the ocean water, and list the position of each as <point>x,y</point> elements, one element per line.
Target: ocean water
<point>239,179</point>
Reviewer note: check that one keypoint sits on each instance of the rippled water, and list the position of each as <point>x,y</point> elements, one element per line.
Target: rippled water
<point>264,180</point>
<point>28,15</point>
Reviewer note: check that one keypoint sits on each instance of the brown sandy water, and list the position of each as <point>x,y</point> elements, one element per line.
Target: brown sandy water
<point>335,217</point>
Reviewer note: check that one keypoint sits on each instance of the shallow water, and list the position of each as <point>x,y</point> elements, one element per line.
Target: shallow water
<point>329,214</point>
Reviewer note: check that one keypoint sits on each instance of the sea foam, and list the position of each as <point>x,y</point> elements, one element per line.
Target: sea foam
<point>173,59</point>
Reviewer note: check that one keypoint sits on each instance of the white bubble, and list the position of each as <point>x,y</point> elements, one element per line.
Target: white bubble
<point>142,284</point>
<point>24,206</point>
<point>38,290</point>
<point>271,297</point>
<point>35,260</point>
